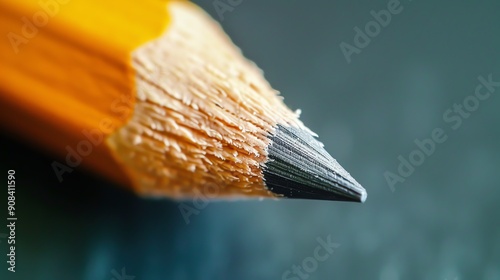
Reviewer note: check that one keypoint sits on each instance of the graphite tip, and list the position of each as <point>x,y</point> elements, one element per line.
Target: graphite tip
<point>299,167</point>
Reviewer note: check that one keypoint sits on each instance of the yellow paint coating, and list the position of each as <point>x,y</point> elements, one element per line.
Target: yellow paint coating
<point>66,72</point>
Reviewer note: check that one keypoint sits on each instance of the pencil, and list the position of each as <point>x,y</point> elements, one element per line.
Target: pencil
<point>154,96</point>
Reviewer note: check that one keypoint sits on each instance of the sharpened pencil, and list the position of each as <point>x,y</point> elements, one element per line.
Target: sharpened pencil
<point>154,96</point>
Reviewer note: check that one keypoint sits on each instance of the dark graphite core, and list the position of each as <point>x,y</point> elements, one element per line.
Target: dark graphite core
<point>299,167</point>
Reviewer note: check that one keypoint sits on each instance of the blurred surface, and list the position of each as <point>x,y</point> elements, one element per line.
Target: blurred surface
<point>440,223</point>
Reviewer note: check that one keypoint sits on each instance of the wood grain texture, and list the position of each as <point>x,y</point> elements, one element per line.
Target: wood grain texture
<point>203,114</point>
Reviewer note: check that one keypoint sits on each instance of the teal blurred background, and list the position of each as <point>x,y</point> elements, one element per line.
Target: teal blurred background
<point>440,223</point>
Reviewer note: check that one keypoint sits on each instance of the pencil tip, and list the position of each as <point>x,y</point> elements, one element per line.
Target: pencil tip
<point>299,167</point>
